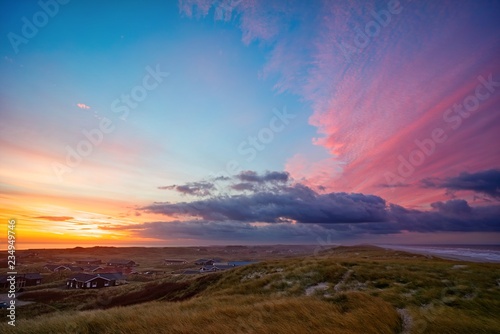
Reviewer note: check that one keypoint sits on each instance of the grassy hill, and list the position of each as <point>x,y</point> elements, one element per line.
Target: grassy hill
<point>359,289</point>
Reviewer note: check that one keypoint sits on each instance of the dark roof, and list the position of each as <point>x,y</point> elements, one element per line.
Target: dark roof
<point>87,260</point>
<point>3,278</point>
<point>69,267</point>
<point>91,268</point>
<point>87,277</point>
<point>111,276</point>
<point>207,268</point>
<point>33,276</point>
<point>75,268</point>
<point>82,277</point>
<point>120,261</point>
<point>223,266</point>
<point>52,267</point>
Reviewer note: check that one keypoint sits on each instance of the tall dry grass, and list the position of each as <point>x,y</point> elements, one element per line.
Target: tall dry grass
<point>362,290</point>
<point>359,313</point>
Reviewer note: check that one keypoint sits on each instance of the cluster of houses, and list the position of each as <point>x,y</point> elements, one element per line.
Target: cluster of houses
<point>94,266</point>
<point>93,273</point>
<point>210,265</point>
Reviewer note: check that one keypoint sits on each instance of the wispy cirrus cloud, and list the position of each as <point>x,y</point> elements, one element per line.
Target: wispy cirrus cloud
<point>55,218</point>
<point>373,95</point>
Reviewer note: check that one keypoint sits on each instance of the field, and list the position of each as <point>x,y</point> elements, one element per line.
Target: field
<point>360,289</point>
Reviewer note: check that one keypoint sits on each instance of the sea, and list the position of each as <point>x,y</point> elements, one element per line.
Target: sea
<point>476,253</point>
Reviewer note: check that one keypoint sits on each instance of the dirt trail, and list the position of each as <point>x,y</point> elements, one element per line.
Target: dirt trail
<point>339,285</point>
<point>407,320</point>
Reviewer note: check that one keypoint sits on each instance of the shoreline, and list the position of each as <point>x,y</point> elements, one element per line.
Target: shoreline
<point>474,257</point>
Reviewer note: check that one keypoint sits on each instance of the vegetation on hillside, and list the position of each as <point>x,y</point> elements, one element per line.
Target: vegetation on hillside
<point>359,289</point>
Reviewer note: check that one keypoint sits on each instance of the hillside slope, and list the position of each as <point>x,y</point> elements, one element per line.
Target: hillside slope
<point>359,289</point>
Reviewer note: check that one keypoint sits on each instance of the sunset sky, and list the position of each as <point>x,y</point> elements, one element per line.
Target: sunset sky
<point>201,122</point>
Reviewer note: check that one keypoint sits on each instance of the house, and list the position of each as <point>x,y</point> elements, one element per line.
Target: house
<point>56,267</point>
<point>153,272</point>
<point>22,280</point>
<point>123,270</point>
<point>93,281</point>
<point>207,269</point>
<point>62,267</point>
<point>169,262</point>
<point>121,263</point>
<point>33,279</point>
<point>89,261</point>
<point>219,266</point>
<point>75,268</point>
<point>5,283</point>
<point>92,269</point>
<point>215,264</point>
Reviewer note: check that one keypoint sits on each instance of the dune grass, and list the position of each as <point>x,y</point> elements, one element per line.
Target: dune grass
<point>235,314</point>
<point>359,289</point>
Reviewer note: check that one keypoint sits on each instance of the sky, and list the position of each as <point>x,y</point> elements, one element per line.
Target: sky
<point>202,122</point>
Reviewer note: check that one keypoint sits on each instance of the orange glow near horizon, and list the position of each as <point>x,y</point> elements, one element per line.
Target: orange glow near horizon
<point>72,221</point>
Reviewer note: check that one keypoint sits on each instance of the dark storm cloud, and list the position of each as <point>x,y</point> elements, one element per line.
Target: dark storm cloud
<point>454,215</point>
<point>454,207</point>
<point>271,207</point>
<point>442,218</point>
<point>296,202</point>
<point>251,176</point>
<point>245,180</point>
<point>200,189</point>
<point>243,186</point>
<point>486,182</point>
<point>450,216</point>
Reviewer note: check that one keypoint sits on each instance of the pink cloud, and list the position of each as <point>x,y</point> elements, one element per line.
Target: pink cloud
<point>370,103</point>
<point>82,106</point>
<point>318,174</point>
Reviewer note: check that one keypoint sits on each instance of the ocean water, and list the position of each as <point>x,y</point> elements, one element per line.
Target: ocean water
<point>477,253</point>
